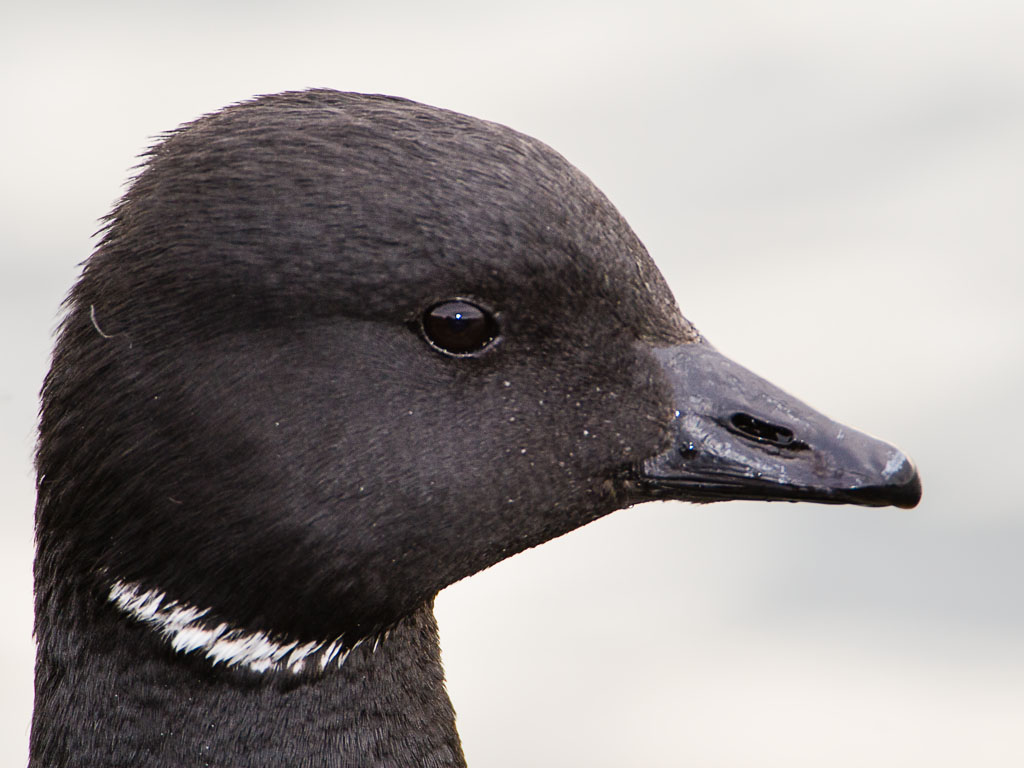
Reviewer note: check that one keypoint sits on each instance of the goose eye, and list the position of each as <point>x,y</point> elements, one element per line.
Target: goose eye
<point>458,327</point>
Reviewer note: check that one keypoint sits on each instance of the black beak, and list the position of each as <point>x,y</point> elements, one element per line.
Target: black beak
<point>736,436</point>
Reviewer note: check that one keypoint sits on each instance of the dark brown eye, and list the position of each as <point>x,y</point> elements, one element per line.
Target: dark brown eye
<point>458,327</point>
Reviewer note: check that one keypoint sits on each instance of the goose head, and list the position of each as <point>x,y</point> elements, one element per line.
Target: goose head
<point>336,352</point>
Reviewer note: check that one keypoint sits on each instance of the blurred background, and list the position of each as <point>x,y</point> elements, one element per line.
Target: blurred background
<point>834,191</point>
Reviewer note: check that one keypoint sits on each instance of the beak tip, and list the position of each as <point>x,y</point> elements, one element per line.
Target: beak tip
<point>904,480</point>
<point>901,487</point>
<point>908,493</point>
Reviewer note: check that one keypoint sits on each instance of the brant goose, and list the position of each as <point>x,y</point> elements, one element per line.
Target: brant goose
<point>333,353</point>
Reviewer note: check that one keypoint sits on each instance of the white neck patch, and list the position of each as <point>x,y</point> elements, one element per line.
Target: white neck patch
<point>184,627</point>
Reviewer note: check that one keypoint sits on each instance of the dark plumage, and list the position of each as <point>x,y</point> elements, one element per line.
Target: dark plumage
<point>246,417</point>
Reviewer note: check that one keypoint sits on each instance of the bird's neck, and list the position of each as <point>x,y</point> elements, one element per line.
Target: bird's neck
<point>107,694</point>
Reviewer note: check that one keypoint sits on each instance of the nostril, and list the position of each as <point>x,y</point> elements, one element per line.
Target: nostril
<point>688,451</point>
<point>764,432</point>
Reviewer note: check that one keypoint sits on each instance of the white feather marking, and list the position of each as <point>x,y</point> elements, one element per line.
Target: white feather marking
<point>182,626</point>
<point>327,656</point>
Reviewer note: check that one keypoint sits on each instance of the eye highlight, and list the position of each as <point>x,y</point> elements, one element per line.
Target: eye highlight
<point>458,327</point>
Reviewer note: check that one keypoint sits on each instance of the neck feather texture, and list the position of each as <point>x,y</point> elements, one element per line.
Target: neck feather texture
<point>111,692</point>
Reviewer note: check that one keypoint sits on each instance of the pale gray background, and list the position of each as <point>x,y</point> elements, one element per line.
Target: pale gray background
<point>834,191</point>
